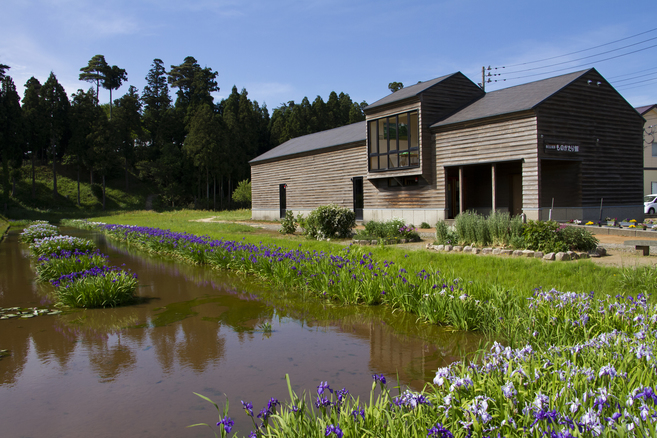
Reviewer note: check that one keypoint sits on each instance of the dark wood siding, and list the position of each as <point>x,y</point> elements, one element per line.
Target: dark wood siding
<point>609,133</point>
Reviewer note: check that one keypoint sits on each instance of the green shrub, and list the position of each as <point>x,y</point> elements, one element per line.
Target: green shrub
<point>472,228</point>
<point>445,236</point>
<point>543,236</point>
<point>425,225</point>
<point>97,287</point>
<point>578,239</point>
<point>288,223</point>
<point>242,192</point>
<point>392,229</point>
<point>329,221</point>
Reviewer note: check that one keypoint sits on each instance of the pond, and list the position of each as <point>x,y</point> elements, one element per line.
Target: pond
<point>132,371</point>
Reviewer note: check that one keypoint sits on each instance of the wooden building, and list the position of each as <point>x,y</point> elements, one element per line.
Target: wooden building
<point>649,112</point>
<point>434,149</point>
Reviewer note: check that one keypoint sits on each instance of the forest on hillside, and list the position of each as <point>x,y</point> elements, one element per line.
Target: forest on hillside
<point>187,145</point>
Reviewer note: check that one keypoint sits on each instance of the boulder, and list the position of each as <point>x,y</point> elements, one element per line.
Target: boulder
<point>506,252</point>
<point>528,253</point>
<point>497,251</point>
<point>538,254</point>
<point>458,248</point>
<point>487,251</point>
<point>550,257</point>
<point>562,256</point>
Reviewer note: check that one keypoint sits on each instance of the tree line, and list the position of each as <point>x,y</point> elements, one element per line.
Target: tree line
<point>193,149</point>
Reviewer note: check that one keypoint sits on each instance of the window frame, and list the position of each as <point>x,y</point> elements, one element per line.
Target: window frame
<point>391,154</point>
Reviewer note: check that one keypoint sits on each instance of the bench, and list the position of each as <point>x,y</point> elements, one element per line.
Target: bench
<point>642,247</point>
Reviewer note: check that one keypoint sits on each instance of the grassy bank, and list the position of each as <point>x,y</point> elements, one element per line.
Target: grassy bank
<point>518,275</point>
<point>43,206</point>
<point>586,368</point>
<point>4,226</point>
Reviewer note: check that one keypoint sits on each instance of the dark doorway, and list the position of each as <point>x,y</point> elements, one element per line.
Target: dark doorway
<point>453,207</point>
<point>359,197</point>
<point>516,194</point>
<point>282,198</point>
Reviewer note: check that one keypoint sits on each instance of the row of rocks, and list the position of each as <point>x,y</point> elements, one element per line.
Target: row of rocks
<point>559,256</point>
<point>384,241</point>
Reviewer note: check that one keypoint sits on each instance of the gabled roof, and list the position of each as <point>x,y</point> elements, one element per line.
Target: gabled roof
<point>344,135</point>
<point>407,92</point>
<point>511,100</point>
<point>644,109</point>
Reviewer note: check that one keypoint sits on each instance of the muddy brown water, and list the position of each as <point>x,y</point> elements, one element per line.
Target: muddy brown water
<point>132,371</point>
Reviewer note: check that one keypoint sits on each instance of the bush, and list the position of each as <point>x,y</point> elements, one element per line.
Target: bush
<point>288,224</point>
<point>242,192</point>
<point>543,236</point>
<point>329,221</point>
<point>472,228</point>
<point>445,236</point>
<point>425,225</point>
<point>392,229</point>
<point>578,239</point>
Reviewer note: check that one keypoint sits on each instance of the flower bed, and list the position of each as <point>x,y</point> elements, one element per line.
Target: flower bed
<point>78,270</point>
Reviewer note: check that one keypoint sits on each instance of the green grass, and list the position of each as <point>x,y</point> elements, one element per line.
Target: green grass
<point>519,275</point>
<point>43,206</point>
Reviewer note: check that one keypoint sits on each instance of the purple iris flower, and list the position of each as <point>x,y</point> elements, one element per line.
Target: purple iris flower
<point>228,424</point>
<point>333,429</point>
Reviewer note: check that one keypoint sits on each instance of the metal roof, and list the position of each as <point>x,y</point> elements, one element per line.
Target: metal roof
<point>407,92</point>
<point>356,132</point>
<point>644,109</point>
<point>513,99</point>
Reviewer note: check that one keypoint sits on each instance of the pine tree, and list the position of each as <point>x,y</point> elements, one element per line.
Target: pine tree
<point>56,106</point>
<point>11,131</point>
<point>95,72</point>
<point>34,116</point>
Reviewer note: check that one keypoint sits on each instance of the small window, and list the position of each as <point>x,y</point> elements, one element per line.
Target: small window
<point>654,149</point>
<point>653,187</point>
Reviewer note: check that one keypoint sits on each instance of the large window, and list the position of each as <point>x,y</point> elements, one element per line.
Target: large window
<point>394,142</point>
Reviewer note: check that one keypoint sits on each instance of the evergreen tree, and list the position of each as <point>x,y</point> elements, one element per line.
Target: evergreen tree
<point>83,117</point>
<point>395,86</point>
<point>56,106</point>
<point>156,102</point>
<point>195,85</point>
<point>11,132</point>
<point>114,77</point>
<point>34,116</point>
<point>95,72</point>
<point>128,123</point>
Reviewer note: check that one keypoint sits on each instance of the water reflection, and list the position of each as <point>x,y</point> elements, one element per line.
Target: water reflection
<point>131,371</point>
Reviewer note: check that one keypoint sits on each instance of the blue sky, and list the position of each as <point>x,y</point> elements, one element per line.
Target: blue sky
<point>285,50</point>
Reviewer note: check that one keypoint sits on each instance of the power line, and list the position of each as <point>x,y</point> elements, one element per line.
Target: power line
<point>584,57</point>
<point>628,74</point>
<point>637,82</point>
<point>582,65</point>
<point>584,50</point>
<point>634,77</point>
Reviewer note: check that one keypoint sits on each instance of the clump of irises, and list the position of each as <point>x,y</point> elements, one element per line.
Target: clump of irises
<point>80,273</point>
<point>38,230</point>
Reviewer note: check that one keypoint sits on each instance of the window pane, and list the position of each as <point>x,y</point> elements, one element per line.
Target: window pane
<point>374,148</point>
<point>415,158</point>
<point>404,159</point>
<point>393,161</point>
<point>654,149</point>
<point>374,163</point>
<point>383,140</point>
<point>403,132</point>
<point>392,131</point>
<point>414,130</point>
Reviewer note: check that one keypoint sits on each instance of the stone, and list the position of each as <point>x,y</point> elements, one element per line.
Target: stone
<point>506,252</point>
<point>517,253</point>
<point>439,247</point>
<point>374,242</point>
<point>448,247</point>
<point>572,254</point>
<point>458,248</point>
<point>538,254</point>
<point>467,249</point>
<point>550,257</point>
<point>582,255</point>
<point>402,240</point>
<point>528,253</point>
<point>487,251</point>
<point>497,251</point>
<point>476,250</point>
<point>562,256</point>
<point>601,251</point>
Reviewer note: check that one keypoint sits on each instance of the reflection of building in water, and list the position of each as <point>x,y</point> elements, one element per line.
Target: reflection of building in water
<point>414,359</point>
